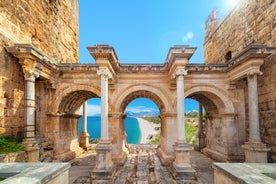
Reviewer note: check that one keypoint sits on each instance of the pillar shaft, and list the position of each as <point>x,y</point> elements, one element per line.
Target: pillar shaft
<point>200,126</point>
<point>30,107</point>
<point>105,75</point>
<point>104,107</point>
<point>84,137</point>
<point>84,117</point>
<point>254,128</point>
<point>29,141</point>
<point>180,104</point>
<point>200,133</point>
<point>180,108</point>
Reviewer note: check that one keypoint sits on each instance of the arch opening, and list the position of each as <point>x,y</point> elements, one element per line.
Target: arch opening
<point>142,122</point>
<point>219,120</point>
<point>66,122</point>
<point>93,120</point>
<point>142,94</point>
<point>73,100</point>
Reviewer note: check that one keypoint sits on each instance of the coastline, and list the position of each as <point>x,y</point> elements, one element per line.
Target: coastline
<point>146,129</point>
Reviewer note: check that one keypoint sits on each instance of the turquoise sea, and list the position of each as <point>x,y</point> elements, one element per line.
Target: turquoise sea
<point>94,128</point>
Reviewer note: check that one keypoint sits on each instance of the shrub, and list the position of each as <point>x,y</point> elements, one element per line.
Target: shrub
<point>10,144</point>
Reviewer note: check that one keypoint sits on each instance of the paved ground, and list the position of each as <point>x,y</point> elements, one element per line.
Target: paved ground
<point>142,167</point>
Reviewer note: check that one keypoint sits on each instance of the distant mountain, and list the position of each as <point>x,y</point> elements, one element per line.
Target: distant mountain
<point>143,113</point>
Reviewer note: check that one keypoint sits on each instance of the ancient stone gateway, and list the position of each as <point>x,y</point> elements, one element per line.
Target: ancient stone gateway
<point>59,91</point>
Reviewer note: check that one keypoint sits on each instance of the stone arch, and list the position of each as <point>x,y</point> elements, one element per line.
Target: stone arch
<point>162,100</point>
<point>212,98</point>
<point>63,120</point>
<point>154,94</point>
<point>221,130</point>
<point>70,99</point>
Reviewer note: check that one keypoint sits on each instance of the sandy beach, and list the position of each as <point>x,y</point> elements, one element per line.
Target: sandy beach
<point>146,129</point>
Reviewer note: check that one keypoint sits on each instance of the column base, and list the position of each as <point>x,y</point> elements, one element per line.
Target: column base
<point>32,149</point>
<point>182,170</point>
<point>119,159</point>
<point>104,170</point>
<point>165,159</point>
<point>84,142</point>
<point>255,152</point>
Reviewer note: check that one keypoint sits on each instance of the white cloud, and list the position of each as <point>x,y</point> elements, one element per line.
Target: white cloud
<point>189,35</point>
<point>92,110</point>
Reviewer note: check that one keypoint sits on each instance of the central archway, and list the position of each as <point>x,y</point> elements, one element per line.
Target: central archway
<point>160,99</point>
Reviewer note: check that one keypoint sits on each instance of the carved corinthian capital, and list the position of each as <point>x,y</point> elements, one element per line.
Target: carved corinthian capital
<point>179,72</point>
<point>29,68</point>
<point>104,72</point>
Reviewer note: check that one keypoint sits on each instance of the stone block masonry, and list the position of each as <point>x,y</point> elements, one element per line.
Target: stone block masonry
<point>49,25</point>
<point>251,22</point>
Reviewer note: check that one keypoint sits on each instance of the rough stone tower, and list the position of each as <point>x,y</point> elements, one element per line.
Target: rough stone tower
<point>250,22</point>
<point>49,25</point>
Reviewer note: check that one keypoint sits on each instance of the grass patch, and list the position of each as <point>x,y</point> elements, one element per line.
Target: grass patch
<point>191,132</point>
<point>11,144</point>
<point>155,141</point>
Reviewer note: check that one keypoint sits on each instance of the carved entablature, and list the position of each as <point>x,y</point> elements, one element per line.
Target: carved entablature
<point>178,57</point>
<point>248,62</point>
<point>34,63</point>
<point>105,56</point>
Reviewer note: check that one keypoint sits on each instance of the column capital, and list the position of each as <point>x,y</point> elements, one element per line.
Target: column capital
<point>29,68</point>
<point>30,74</point>
<point>104,72</point>
<point>180,72</point>
<point>254,72</point>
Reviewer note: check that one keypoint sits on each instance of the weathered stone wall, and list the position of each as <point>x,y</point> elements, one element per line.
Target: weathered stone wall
<point>267,106</point>
<point>253,21</point>
<point>49,25</point>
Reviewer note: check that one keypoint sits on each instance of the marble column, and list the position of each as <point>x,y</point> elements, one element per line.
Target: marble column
<point>30,143</point>
<point>105,75</point>
<point>200,134</point>
<point>104,169</point>
<point>255,150</point>
<point>181,165</point>
<point>84,137</point>
<point>180,104</point>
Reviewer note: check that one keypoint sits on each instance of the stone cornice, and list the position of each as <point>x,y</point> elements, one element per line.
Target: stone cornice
<point>252,51</point>
<point>34,60</point>
<point>105,56</point>
<point>248,61</point>
<point>178,57</point>
<point>78,67</point>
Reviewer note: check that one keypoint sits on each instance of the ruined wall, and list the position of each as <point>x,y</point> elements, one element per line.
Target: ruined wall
<point>252,21</point>
<point>49,25</point>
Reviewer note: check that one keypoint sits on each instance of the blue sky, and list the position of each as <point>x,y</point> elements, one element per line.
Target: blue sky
<point>143,31</point>
<point>135,106</point>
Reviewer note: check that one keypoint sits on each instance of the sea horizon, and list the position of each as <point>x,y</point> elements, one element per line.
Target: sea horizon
<point>131,127</point>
